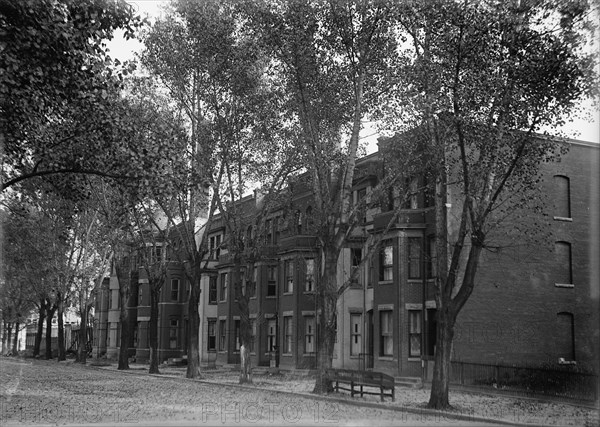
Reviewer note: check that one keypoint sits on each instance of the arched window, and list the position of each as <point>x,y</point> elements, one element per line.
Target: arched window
<point>564,273</point>
<point>562,196</point>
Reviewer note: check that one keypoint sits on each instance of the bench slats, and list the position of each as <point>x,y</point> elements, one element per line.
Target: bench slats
<point>363,379</point>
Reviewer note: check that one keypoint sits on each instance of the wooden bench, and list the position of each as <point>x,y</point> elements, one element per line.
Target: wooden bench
<point>385,383</point>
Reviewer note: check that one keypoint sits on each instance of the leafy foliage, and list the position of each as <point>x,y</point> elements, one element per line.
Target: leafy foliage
<point>56,79</point>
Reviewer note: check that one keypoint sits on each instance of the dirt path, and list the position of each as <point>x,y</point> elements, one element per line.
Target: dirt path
<point>52,393</point>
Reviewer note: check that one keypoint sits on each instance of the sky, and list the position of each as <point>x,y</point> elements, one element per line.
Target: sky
<point>586,129</point>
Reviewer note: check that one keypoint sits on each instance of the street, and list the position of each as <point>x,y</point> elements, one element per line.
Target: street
<point>51,393</point>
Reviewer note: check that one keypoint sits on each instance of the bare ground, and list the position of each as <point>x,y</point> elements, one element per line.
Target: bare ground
<point>48,392</point>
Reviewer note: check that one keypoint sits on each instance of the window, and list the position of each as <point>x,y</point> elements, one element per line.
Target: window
<point>355,334</point>
<point>223,296</point>
<point>414,333</point>
<point>356,258</point>
<point>236,336</point>
<point>252,334</point>
<point>386,338</point>
<point>562,252</point>
<point>386,261</point>
<point>431,258</point>
<point>215,246</point>
<point>414,257</point>
<point>565,336</point>
<point>309,335</point>
<point>271,335</point>
<point>562,197</point>
<point>174,334</point>
<point>212,290</point>
<point>155,254</point>
<point>140,294</point>
<point>175,290</point>
<point>287,328</point>
<point>252,284</point>
<point>309,283</point>
<point>272,281</point>
<point>110,300</point>
<point>222,335</point>
<point>211,342</point>
<point>410,197</point>
<point>289,276</point>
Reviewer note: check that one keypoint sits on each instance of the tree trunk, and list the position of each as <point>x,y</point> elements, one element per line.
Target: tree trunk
<point>82,347</point>
<point>8,335</point>
<point>4,336</point>
<point>244,310</point>
<point>15,348</point>
<point>193,328</point>
<point>326,315</point>
<point>124,344</point>
<point>49,316</point>
<point>245,364</point>
<point>62,354</point>
<point>153,328</point>
<point>40,328</point>
<point>245,341</point>
<point>438,398</point>
<point>124,286</point>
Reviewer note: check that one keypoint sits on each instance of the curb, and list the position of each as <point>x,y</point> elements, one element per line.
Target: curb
<point>438,415</point>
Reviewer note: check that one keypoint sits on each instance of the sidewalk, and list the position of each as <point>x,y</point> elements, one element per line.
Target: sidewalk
<point>468,405</point>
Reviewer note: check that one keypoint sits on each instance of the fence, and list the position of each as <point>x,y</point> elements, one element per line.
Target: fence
<point>71,335</point>
<point>567,382</point>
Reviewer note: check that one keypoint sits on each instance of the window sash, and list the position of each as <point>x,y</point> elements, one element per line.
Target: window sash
<point>175,289</point>
<point>289,276</point>
<point>414,257</point>
<point>309,285</point>
<point>386,262</point>
<point>386,333</point>
<point>414,333</point>
<point>212,290</point>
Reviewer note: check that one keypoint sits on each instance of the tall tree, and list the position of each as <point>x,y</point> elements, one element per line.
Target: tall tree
<point>335,58</point>
<point>480,80</point>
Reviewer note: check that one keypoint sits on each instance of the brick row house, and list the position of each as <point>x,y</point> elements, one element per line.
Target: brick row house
<point>536,299</point>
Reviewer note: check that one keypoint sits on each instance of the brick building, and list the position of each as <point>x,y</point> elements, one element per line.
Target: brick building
<point>536,299</point>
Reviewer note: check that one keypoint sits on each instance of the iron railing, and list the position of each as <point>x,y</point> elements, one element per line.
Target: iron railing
<point>566,381</point>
